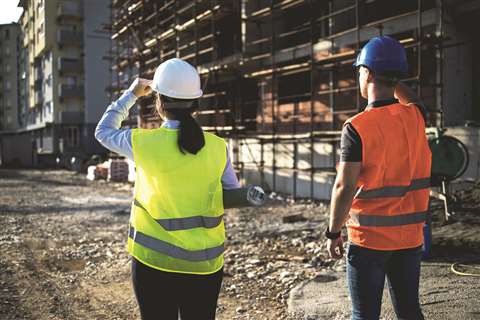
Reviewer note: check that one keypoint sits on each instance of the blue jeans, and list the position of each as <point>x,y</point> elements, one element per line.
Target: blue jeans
<point>366,271</point>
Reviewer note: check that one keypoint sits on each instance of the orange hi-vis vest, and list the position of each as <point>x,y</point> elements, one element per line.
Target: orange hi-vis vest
<point>391,203</point>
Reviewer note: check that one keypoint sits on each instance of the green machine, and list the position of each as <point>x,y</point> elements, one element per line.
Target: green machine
<point>449,161</point>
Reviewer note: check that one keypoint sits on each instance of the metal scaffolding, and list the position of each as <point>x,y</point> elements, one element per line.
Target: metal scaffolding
<point>278,75</point>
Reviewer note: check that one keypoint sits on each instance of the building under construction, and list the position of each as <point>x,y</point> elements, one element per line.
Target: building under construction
<point>278,76</point>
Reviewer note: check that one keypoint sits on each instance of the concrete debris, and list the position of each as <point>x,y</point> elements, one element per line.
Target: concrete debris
<point>294,218</point>
<point>240,310</point>
<point>97,172</point>
<point>91,172</point>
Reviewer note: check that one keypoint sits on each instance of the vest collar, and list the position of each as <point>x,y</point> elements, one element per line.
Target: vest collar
<point>381,103</point>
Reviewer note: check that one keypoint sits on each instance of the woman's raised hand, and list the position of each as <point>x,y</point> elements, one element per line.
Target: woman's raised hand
<point>141,87</point>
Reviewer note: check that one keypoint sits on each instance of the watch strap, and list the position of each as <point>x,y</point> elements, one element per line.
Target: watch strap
<point>332,235</point>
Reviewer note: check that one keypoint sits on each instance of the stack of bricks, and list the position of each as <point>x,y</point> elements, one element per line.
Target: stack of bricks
<point>101,171</point>
<point>118,171</point>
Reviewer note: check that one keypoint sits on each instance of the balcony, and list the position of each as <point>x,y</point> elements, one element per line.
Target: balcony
<point>38,99</point>
<point>37,85</point>
<point>69,38</point>
<point>69,66</point>
<point>69,10</point>
<point>70,91</point>
<point>37,62</point>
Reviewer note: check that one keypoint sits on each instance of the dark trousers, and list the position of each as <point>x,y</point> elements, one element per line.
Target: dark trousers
<point>366,271</point>
<point>164,295</point>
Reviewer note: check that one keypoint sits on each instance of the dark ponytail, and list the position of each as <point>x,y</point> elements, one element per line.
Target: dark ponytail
<point>190,137</point>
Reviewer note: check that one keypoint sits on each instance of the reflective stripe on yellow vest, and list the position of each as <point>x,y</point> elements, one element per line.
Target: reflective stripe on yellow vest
<point>176,222</point>
<point>391,204</point>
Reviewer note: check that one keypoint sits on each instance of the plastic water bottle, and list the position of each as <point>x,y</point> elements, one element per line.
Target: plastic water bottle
<point>244,197</point>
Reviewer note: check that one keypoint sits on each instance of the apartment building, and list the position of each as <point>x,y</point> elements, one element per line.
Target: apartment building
<point>9,37</point>
<point>63,75</point>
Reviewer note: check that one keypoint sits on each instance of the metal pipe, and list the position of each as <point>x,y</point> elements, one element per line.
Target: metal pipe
<point>439,55</point>
<point>295,150</point>
<point>357,85</point>
<point>312,104</point>
<point>274,90</point>
<point>419,53</point>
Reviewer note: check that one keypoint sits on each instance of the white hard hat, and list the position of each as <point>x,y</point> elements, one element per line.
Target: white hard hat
<point>176,78</point>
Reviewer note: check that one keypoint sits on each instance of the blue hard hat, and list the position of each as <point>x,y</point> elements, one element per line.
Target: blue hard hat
<point>383,54</point>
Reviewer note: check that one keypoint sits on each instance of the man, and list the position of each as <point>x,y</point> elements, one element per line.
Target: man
<point>382,187</point>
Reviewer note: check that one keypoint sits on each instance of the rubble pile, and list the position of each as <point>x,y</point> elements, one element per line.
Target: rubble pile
<point>266,257</point>
<point>64,252</point>
<point>469,197</point>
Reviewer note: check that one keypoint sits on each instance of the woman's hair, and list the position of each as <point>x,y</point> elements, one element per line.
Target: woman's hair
<point>190,137</point>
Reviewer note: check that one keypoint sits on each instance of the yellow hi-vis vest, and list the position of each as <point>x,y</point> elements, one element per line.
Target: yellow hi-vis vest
<point>176,222</point>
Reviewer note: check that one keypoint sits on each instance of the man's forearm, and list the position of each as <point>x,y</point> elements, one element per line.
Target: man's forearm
<point>342,198</point>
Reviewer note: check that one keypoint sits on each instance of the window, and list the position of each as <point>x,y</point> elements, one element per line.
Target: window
<point>71,81</point>
<point>69,27</point>
<point>73,137</point>
<point>7,34</point>
<point>8,85</point>
<point>48,107</point>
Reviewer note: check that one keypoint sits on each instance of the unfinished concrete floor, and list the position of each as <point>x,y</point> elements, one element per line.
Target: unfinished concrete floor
<point>63,254</point>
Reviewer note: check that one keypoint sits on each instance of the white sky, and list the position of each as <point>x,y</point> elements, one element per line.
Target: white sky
<point>9,12</point>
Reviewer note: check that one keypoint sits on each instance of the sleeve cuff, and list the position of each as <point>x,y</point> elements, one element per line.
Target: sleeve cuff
<point>128,98</point>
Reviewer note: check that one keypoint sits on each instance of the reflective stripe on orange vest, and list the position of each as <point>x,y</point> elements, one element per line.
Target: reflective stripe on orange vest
<point>388,221</point>
<point>390,207</point>
<point>394,191</point>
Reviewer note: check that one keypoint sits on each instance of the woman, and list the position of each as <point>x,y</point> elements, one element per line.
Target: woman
<point>176,230</point>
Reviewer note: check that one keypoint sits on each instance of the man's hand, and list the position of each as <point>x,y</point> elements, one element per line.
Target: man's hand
<point>141,87</point>
<point>335,248</point>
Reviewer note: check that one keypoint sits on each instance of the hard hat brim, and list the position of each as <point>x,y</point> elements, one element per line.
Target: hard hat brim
<point>196,95</point>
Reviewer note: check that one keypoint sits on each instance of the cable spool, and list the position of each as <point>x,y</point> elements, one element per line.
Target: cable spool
<point>449,158</point>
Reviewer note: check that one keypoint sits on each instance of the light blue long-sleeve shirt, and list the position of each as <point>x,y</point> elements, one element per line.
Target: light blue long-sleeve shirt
<point>109,134</point>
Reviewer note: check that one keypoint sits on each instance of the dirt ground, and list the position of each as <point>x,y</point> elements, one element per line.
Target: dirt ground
<point>63,252</point>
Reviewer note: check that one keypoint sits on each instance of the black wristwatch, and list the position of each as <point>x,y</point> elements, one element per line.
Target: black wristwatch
<point>332,235</point>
